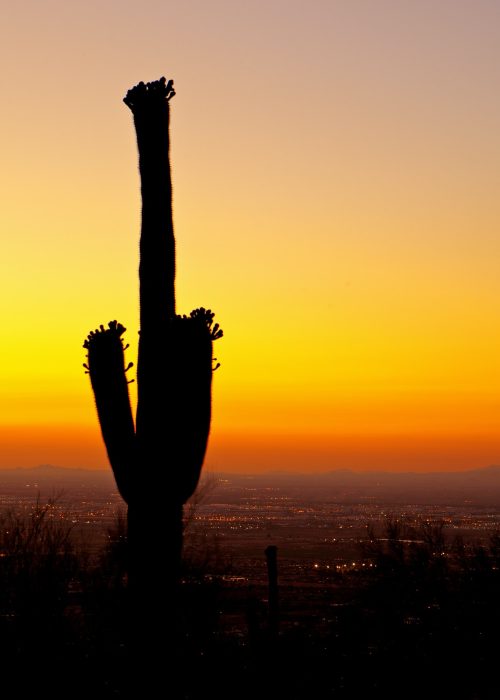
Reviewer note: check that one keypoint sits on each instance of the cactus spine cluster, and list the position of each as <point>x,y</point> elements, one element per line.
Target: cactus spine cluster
<point>157,461</point>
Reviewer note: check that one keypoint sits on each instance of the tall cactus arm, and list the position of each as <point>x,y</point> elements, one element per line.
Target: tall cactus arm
<point>149,103</point>
<point>173,421</point>
<point>193,383</point>
<point>106,367</point>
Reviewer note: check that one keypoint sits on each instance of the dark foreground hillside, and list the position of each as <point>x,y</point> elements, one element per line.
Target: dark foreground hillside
<point>420,619</point>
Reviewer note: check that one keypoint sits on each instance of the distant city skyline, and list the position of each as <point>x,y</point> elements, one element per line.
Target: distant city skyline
<point>336,171</point>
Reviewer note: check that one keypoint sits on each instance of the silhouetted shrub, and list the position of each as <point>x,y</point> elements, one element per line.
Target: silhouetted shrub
<point>37,560</point>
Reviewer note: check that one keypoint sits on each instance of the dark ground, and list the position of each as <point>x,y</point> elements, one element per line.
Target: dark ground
<point>422,621</point>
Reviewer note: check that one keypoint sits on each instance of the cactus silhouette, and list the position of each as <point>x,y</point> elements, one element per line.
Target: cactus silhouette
<point>157,462</point>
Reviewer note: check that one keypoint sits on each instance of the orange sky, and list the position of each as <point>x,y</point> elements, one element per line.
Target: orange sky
<point>336,177</point>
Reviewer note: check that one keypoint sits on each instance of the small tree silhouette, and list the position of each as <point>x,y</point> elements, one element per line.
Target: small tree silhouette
<point>157,463</point>
<point>37,561</point>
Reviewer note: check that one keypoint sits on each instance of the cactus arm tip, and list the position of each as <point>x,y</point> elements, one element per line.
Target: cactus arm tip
<point>144,94</point>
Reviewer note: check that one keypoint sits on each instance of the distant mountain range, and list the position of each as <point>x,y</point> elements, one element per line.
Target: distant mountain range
<point>47,475</point>
<point>479,486</point>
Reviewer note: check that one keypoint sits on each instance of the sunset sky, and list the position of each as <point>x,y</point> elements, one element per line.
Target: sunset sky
<point>336,171</point>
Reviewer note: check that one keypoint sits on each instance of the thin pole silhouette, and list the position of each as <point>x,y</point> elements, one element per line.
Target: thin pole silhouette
<point>271,553</point>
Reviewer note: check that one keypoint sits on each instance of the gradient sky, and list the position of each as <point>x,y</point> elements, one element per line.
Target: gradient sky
<point>336,169</point>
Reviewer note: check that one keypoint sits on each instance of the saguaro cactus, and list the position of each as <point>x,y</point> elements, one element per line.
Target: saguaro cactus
<point>157,463</point>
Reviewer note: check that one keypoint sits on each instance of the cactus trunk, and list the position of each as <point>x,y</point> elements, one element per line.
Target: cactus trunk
<point>157,464</point>
<point>151,110</point>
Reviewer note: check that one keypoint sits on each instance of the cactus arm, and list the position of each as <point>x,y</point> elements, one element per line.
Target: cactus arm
<point>191,386</point>
<point>149,104</point>
<point>174,411</point>
<point>107,371</point>
<point>194,386</point>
